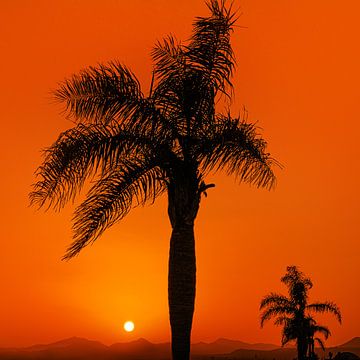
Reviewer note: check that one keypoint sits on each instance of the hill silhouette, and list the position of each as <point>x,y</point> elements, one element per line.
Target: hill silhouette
<point>224,346</point>
<point>353,343</point>
<point>76,348</point>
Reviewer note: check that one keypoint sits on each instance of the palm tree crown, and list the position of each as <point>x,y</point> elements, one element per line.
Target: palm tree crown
<point>295,314</point>
<point>135,147</point>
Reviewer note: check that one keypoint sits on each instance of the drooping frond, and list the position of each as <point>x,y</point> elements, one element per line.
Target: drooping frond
<point>210,50</point>
<point>275,299</point>
<point>110,199</point>
<point>78,153</point>
<point>274,311</point>
<point>67,163</point>
<point>320,342</point>
<point>324,330</point>
<point>235,145</point>
<point>326,307</point>
<point>100,94</point>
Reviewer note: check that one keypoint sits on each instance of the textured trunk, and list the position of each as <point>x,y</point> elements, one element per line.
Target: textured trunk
<point>182,278</point>
<point>184,199</point>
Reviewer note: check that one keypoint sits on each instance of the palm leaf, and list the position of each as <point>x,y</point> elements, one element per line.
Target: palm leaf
<point>210,50</point>
<point>112,197</point>
<point>320,342</point>
<point>273,311</point>
<point>235,145</point>
<point>169,58</point>
<point>101,93</point>
<point>77,154</point>
<point>282,321</point>
<point>327,306</point>
<point>275,299</point>
<point>293,276</point>
<point>324,330</point>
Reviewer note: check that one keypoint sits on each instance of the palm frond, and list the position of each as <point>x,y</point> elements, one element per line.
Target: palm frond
<point>298,285</point>
<point>210,50</point>
<point>68,162</point>
<point>169,67</point>
<point>273,311</point>
<point>275,299</point>
<point>294,275</point>
<point>324,330</point>
<point>282,321</point>
<point>235,145</point>
<point>135,183</point>
<point>77,154</point>
<point>101,93</point>
<point>168,57</point>
<point>320,342</point>
<point>326,307</point>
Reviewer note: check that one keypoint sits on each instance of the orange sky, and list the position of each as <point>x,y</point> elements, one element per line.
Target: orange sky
<point>298,75</point>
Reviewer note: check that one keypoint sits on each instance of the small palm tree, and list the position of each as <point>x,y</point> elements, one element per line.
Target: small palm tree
<point>294,313</point>
<point>138,147</point>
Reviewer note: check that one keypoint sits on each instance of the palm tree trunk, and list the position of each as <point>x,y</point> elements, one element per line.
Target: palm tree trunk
<point>181,287</point>
<point>184,200</point>
<point>301,348</point>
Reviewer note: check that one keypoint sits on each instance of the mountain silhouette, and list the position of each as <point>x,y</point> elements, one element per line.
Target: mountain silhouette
<point>73,342</point>
<point>141,347</point>
<point>224,346</point>
<point>76,348</point>
<point>353,343</point>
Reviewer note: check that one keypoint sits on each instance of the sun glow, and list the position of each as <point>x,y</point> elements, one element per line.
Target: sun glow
<point>129,326</point>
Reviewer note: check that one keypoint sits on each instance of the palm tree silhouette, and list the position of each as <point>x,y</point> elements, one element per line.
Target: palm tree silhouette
<point>294,313</point>
<point>138,147</point>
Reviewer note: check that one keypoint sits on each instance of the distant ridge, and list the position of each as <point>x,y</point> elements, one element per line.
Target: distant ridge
<point>353,343</point>
<point>223,346</point>
<point>76,348</point>
<point>72,342</point>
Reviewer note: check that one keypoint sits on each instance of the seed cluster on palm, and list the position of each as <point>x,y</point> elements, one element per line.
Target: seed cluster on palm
<point>136,147</point>
<point>296,315</point>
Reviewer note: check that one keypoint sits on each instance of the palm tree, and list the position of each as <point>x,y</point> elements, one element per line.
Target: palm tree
<point>138,147</point>
<point>294,313</point>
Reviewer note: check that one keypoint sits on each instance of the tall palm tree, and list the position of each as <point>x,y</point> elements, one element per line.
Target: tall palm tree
<point>138,147</point>
<point>294,312</point>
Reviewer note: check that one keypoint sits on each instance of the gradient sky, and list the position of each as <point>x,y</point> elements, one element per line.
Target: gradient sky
<point>298,76</point>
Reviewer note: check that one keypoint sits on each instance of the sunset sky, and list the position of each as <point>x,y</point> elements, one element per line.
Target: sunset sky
<point>298,76</point>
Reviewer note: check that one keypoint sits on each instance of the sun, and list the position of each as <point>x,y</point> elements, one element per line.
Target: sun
<point>129,326</point>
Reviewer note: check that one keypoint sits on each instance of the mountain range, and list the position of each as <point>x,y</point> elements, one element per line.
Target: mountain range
<point>80,349</point>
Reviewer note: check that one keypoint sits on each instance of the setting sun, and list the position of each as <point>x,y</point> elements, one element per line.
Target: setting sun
<point>129,326</point>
